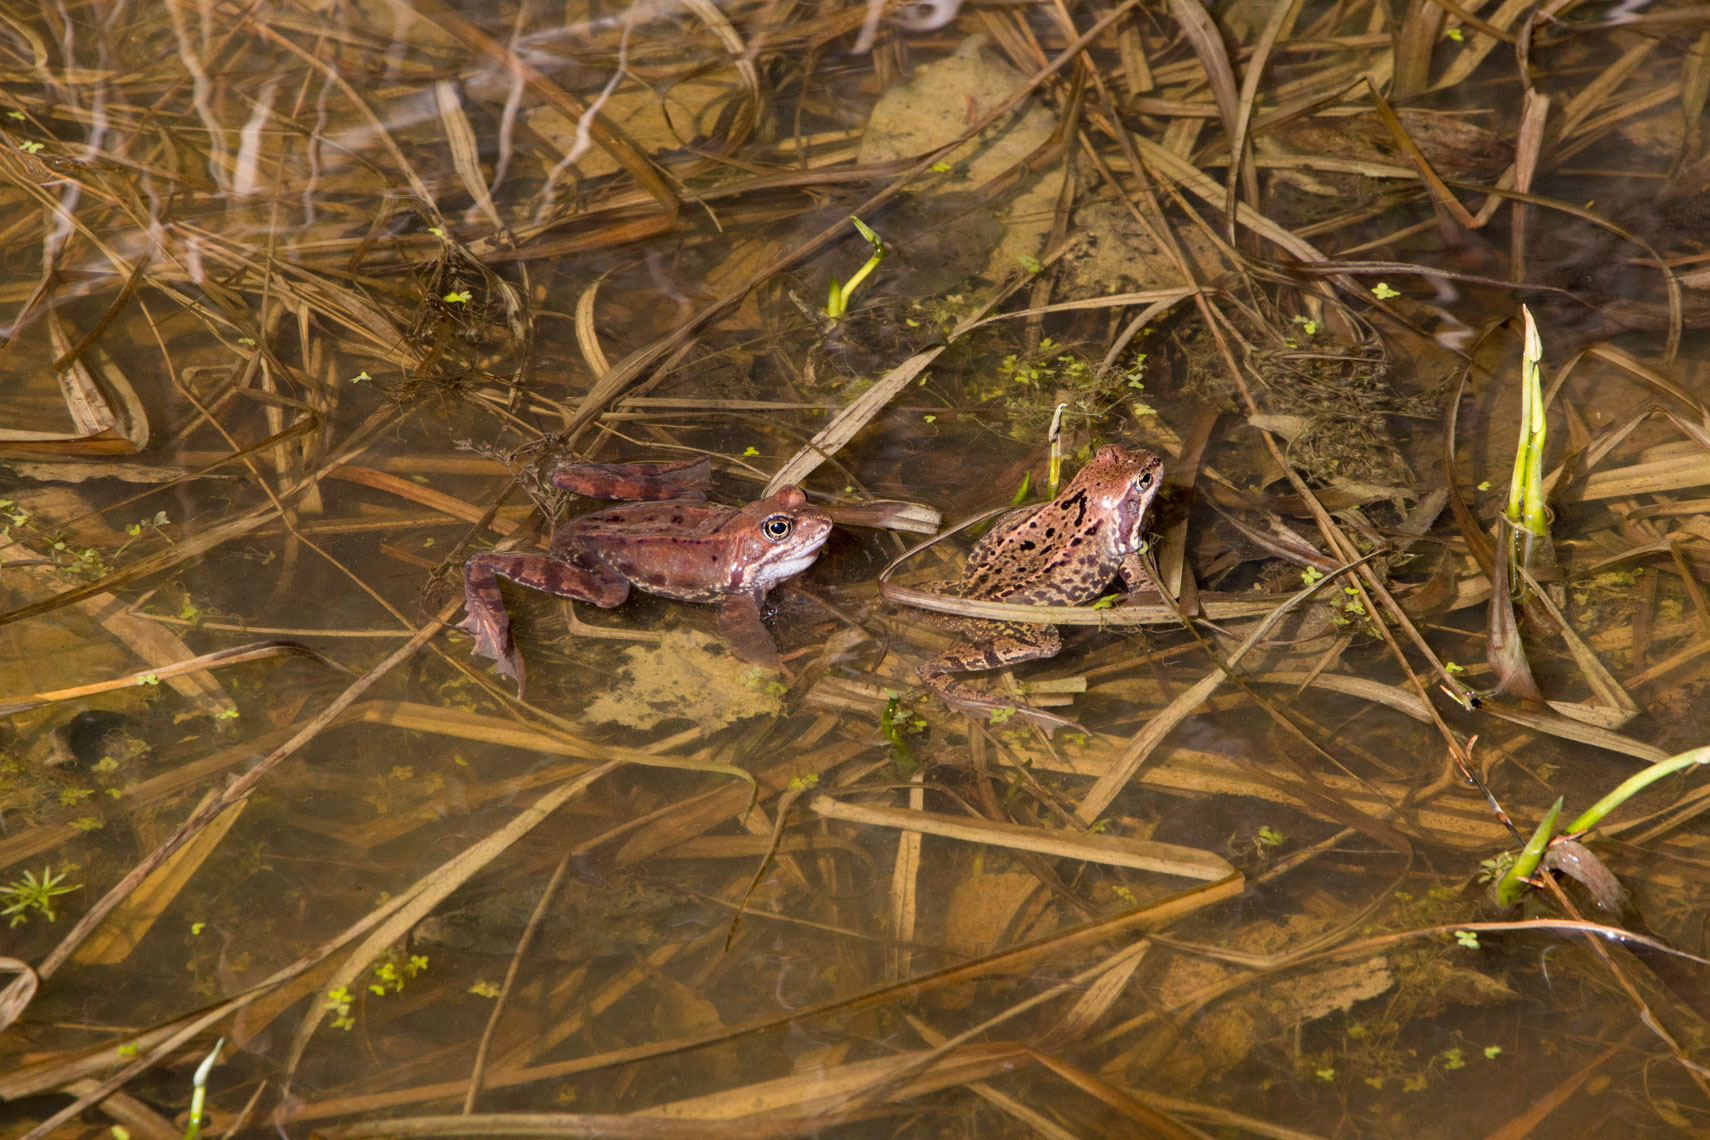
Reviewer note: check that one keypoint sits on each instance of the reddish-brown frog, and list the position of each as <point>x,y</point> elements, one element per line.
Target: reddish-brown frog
<point>1061,553</point>
<point>680,547</point>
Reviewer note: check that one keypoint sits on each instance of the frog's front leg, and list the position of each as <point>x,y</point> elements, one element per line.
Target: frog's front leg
<point>484,606</point>
<point>1133,573</point>
<point>739,623</point>
<point>993,645</point>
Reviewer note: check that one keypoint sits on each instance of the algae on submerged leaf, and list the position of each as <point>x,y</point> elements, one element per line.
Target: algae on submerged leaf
<point>687,676</point>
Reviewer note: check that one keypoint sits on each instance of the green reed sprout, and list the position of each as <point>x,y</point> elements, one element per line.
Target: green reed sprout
<point>1512,886</point>
<point>1634,784</point>
<point>837,303</point>
<point>1526,490</point>
<point>199,1093</point>
<point>1055,435</point>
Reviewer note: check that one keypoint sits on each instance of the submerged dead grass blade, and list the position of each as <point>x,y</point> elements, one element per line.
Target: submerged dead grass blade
<point>71,353</point>
<point>237,790</point>
<point>18,994</point>
<point>604,134</point>
<point>587,333</point>
<point>1108,786</point>
<point>465,157</point>
<point>1240,143</point>
<point>416,493</point>
<point>102,424</point>
<point>1128,614</point>
<point>1415,42</point>
<point>433,888</point>
<point>478,1071</point>
<point>1112,850</point>
<point>742,59</point>
<point>905,886</point>
<point>1441,195</point>
<point>255,651</point>
<point>1015,960</point>
<point>630,369</point>
<point>1207,43</point>
<point>149,640</point>
<point>133,919</point>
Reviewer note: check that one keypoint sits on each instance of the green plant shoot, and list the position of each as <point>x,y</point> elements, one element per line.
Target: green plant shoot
<point>1020,495</point>
<point>1634,784</point>
<point>1056,437</point>
<point>1512,885</point>
<point>1526,489</point>
<point>199,1092</point>
<point>837,302</point>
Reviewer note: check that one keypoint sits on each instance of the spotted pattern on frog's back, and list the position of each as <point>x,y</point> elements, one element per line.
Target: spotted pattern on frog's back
<point>1066,551</point>
<point>1062,553</point>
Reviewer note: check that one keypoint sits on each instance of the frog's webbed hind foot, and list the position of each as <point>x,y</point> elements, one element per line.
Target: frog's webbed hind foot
<point>968,700</point>
<point>486,620</point>
<point>484,607</point>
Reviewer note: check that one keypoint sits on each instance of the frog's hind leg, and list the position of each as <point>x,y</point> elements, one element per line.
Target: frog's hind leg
<point>1009,644</point>
<point>484,607</point>
<point>676,479</point>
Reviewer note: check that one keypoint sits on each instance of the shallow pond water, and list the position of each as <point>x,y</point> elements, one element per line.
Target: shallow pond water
<point>307,302</point>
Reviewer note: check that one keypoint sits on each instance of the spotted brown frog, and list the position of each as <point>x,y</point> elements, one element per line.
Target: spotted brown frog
<point>1060,553</point>
<point>678,547</point>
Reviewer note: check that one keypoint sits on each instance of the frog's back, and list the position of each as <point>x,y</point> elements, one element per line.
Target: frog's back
<point>1066,551</point>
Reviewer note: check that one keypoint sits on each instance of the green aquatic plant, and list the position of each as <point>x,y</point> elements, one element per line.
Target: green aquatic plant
<point>199,1092</point>
<point>32,894</point>
<point>837,302</point>
<point>1512,883</point>
<point>897,724</point>
<point>1526,509</point>
<point>393,971</point>
<point>1055,437</point>
<point>1634,784</point>
<point>338,1004</point>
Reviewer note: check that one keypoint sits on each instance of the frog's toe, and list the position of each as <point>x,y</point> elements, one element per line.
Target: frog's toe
<point>1051,722</point>
<point>965,699</point>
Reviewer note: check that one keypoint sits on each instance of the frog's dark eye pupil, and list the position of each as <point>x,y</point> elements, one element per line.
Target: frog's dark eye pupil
<point>777,527</point>
<point>1145,480</point>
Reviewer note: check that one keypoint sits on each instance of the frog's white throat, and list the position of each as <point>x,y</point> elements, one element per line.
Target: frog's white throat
<point>774,572</point>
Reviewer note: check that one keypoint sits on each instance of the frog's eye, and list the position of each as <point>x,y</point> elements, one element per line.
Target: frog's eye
<point>1145,480</point>
<point>777,528</point>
